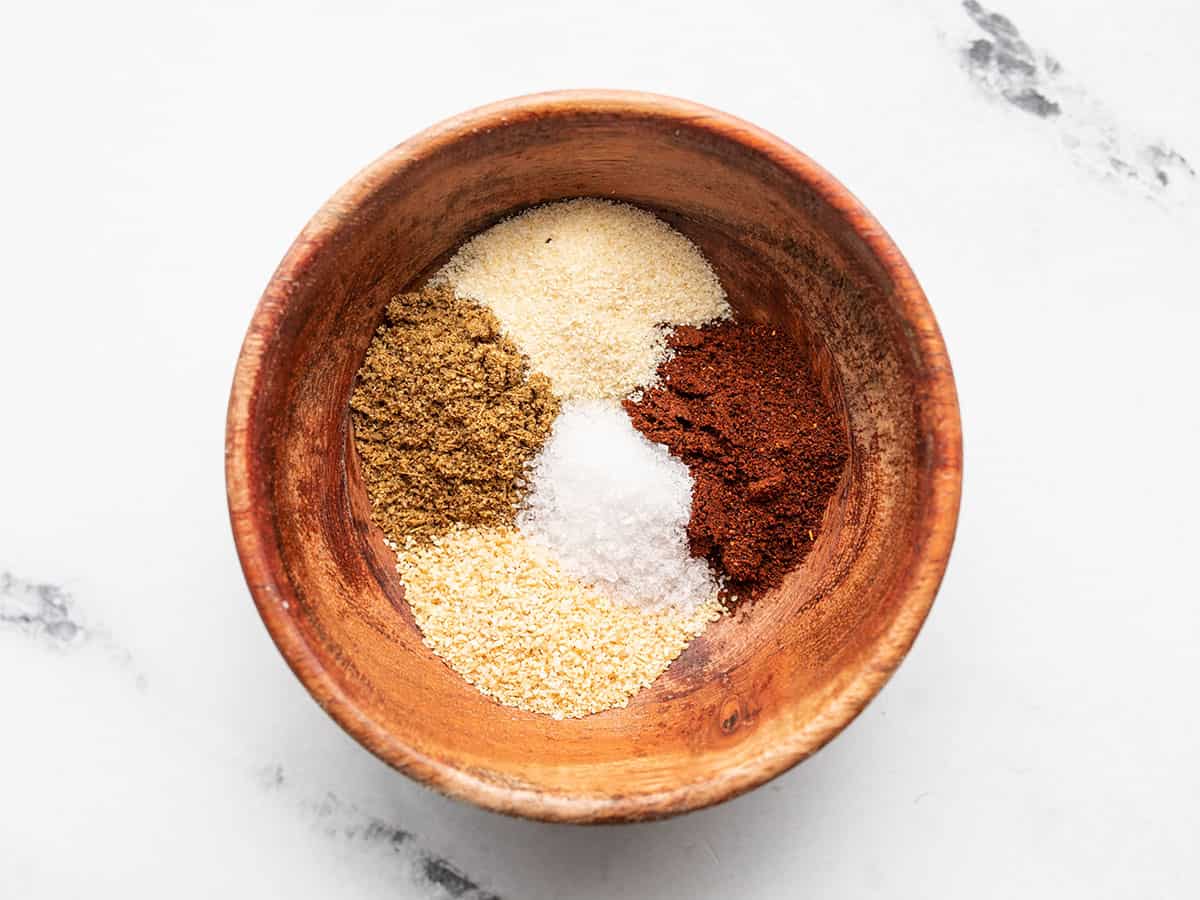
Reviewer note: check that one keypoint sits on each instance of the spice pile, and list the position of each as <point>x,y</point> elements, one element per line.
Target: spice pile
<point>738,404</point>
<point>613,508</point>
<point>446,416</point>
<point>588,289</point>
<point>507,618</point>
<point>579,457</point>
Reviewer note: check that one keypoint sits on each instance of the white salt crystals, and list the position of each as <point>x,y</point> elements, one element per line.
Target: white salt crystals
<point>613,508</point>
<point>587,288</point>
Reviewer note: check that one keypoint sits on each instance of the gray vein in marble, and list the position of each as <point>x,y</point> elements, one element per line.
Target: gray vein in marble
<point>439,876</point>
<point>1004,64</point>
<point>42,609</point>
<point>49,613</point>
<point>1007,65</point>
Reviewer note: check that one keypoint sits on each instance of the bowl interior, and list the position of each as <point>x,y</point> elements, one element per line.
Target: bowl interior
<point>759,690</point>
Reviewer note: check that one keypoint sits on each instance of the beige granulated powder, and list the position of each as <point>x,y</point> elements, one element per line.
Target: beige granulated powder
<point>446,417</point>
<point>506,617</point>
<point>585,287</point>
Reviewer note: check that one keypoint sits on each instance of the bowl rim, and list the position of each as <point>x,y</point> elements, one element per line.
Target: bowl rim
<point>247,480</point>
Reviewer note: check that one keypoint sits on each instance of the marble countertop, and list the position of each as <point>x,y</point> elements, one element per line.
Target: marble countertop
<point>1038,167</point>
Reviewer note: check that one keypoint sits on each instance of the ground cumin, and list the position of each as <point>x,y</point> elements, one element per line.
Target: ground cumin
<point>446,417</point>
<point>738,403</point>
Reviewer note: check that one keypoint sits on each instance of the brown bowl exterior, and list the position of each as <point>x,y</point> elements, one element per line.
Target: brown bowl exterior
<point>759,691</point>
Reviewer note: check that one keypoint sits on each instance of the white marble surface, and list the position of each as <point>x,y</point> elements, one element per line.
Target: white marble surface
<point>1042,738</point>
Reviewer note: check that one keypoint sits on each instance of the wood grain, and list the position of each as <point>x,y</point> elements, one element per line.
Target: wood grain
<point>758,692</point>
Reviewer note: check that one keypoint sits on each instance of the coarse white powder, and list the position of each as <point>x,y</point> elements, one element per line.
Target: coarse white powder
<point>613,509</point>
<point>588,289</point>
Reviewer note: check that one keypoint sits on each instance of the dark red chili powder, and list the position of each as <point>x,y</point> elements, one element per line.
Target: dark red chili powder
<point>740,405</point>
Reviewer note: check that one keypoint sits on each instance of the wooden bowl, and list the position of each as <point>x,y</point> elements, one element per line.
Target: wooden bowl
<point>758,692</point>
